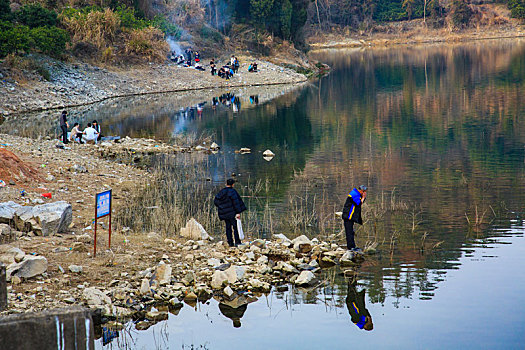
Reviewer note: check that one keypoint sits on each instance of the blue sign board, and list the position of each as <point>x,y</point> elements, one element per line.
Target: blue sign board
<point>103,203</point>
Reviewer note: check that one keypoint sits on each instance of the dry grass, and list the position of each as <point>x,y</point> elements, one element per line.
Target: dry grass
<point>149,43</point>
<point>96,27</point>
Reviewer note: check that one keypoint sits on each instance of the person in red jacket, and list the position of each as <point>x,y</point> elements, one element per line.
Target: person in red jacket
<point>352,214</point>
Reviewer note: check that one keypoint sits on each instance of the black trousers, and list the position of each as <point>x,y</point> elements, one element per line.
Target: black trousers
<point>229,224</point>
<point>349,230</point>
<point>64,133</point>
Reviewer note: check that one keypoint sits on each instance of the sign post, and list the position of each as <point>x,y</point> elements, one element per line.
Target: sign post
<point>102,208</point>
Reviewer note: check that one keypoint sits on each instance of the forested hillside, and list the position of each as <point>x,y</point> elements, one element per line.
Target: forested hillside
<point>137,30</point>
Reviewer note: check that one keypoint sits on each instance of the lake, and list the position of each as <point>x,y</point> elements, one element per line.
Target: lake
<point>436,132</point>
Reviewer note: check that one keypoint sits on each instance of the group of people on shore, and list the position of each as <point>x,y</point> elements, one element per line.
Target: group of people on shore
<point>91,134</point>
<point>224,72</point>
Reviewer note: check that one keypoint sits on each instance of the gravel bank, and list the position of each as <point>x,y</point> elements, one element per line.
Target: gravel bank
<point>74,84</point>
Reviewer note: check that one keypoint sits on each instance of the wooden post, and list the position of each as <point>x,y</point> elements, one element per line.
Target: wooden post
<point>3,288</point>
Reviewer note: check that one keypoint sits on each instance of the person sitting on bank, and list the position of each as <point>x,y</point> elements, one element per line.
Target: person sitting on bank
<point>96,126</point>
<point>199,67</point>
<point>230,206</point>
<point>76,134</point>
<point>352,214</point>
<point>90,134</point>
<point>252,67</point>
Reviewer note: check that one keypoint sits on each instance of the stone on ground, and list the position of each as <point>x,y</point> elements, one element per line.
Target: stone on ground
<point>30,266</point>
<point>194,231</point>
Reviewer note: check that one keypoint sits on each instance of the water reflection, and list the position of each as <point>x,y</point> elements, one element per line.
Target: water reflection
<point>355,303</point>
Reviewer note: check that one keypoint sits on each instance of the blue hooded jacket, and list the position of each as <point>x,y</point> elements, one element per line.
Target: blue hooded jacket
<point>352,207</point>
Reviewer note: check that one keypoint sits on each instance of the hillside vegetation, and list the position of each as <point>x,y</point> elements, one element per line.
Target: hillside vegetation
<point>122,32</point>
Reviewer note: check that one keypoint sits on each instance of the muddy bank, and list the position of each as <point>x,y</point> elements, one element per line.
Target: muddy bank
<point>74,84</point>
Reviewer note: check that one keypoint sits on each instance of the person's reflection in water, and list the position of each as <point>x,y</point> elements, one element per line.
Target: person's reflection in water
<point>355,302</point>
<point>233,313</point>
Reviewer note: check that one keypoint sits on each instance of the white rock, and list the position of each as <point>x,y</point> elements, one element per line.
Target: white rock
<point>268,153</point>
<point>163,273</point>
<point>95,297</point>
<point>262,260</point>
<point>144,287</point>
<point>10,254</point>
<point>194,231</point>
<point>302,244</point>
<point>213,262</point>
<point>228,292</point>
<point>305,278</point>
<point>29,267</point>
<point>218,279</point>
<point>235,273</point>
<point>75,268</point>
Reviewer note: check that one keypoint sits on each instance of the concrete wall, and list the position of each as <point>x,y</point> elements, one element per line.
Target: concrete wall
<point>60,329</point>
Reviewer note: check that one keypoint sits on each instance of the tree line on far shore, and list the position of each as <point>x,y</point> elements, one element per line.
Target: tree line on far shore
<point>109,30</point>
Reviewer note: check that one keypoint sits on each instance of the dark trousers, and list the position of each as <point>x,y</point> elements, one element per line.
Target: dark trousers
<point>64,133</point>
<point>229,224</point>
<point>349,230</point>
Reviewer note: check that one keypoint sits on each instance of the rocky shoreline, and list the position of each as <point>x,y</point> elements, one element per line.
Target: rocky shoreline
<point>75,84</point>
<point>144,276</point>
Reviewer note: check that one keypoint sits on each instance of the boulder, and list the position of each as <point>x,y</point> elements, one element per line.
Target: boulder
<point>95,297</point>
<point>302,244</point>
<point>7,212</point>
<point>285,267</point>
<point>30,266</point>
<point>194,231</point>
<point>9,254</point>
<point>6,234</point>
<point>163,274</point>
<point>75,268</point>
<point>305,278</point>
<point>218,279</point>
<point>259,243</point>
<point>348,258</point>
<point>46,219</point>
<point>279,237</point>
<point>235,273</point>
<point>53,217</point>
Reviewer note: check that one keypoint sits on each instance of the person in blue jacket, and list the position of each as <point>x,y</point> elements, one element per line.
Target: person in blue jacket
<point>352,213</point>
<point>230,206</point>
<point>355,303</point>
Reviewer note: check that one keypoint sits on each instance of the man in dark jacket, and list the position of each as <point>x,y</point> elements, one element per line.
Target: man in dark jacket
<point>352,213</point>
<point>230,207</point>
<point>63,126</point>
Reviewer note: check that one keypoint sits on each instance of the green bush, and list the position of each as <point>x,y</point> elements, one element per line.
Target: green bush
<point>517,8</point>
<point>209,33</point>
<point>167,27</point>
<point>5,10</point>
<point>129,18</point>
<point>13,39</point>
<point>36,16</point>
<point>49,40</point>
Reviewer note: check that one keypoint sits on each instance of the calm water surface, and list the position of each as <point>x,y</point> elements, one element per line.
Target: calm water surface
<point>437,133</point>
